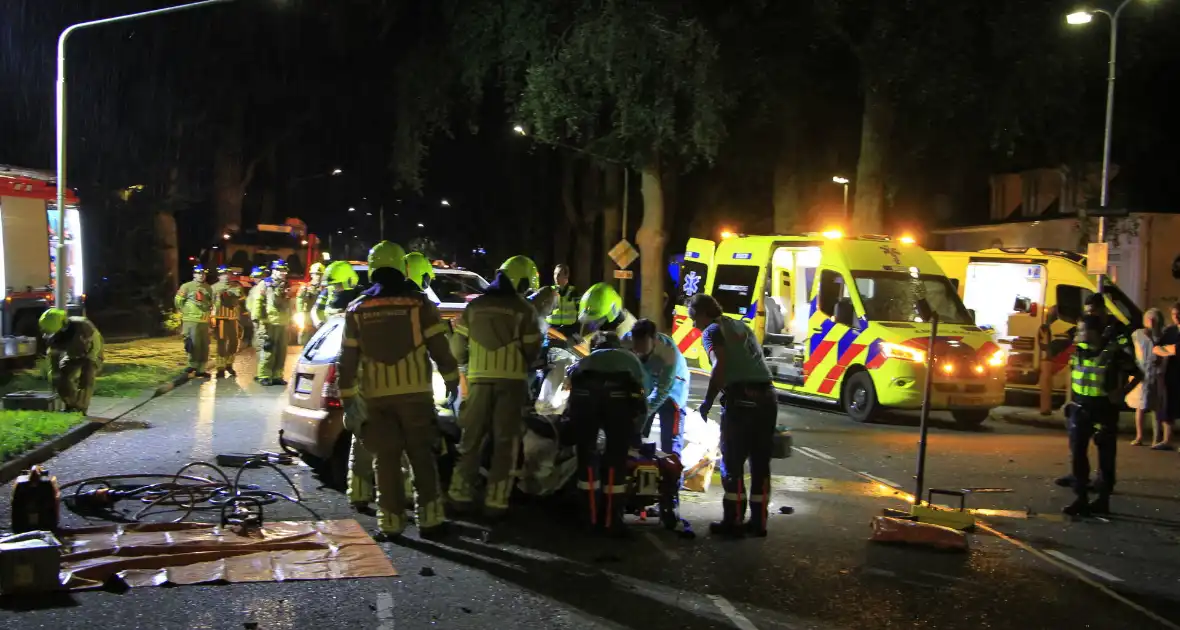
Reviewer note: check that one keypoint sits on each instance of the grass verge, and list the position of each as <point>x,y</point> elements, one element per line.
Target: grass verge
<point>23,430</point>
<point>128,369</point>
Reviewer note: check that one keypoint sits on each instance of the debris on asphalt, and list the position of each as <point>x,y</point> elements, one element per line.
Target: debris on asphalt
<point>426,572</point>
<point>786,509</point>
<point>887,529</point>
<point>465,609</point>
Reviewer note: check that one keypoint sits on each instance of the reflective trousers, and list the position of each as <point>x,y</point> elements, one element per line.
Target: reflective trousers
<point>74,383</point>
<point>228,334</point>
<point>602,478</point>
<point>1095,420</point>
<point>196,344</point>
<point>748,415</point>
<point>397,426</point>
<point>493,410</point>
<point>271,342</point>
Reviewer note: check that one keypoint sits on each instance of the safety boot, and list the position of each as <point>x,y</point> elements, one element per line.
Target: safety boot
<point>1101,505</point>
<point>1079,507</point>
<point>220,374</point>
<point>229,369</point>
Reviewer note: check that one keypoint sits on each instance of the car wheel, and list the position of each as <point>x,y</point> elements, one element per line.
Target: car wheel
<point>860,398</point>
<point>337,469</point>
<point>970,418</point>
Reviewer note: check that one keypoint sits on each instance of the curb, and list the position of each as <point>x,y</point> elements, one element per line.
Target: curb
<point>1054,422</point>
<point>12,468</point>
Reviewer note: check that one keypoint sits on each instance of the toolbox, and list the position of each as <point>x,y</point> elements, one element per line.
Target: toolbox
<point>32,401</point>
<point>30,563</point>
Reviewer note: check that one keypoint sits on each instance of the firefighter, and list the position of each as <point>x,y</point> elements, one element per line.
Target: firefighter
<point>607,393</point>
<point>419,270</point>
<point>748,412</point>
<point>602,309</point>
<point>564,314</point>
<point>194,300</point>
<point>75,357</point>
<point>271,315</point>
<point>1097,374</point>
<point>227,309</point>
<point>667,381</point>
<point>497,337</point>
<point>340,285</point>
<point>305,301</point>
<point>389,333</point>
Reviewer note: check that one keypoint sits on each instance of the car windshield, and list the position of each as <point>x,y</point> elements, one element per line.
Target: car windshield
<point>457,287</point>
<point>892,296</point>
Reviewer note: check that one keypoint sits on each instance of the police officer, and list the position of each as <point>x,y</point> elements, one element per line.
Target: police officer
<point>194,300</point>
<point>564,314</point>
<point>419,270</point>
<point>271,316</point>
<point>602,309</point>
<point>1097,370</point>
<point>667,381</point>
<point>607,393</point>
<point>75,357</point>
<point>340,286</point>
<point>305,301</point>
<point>497,337</point>
<point>389,331</point>
<point>227,310</point>
<point>748,412</point>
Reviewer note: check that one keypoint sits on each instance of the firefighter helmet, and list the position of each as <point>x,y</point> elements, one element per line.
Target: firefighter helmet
<point>278,265</point>
<point>387,254</point>
<point>419,269</point>
<point>342,273</point>
<point>601,303</point>
<point>317,269</point>
<point>52,320</point>
<point>522,271</point>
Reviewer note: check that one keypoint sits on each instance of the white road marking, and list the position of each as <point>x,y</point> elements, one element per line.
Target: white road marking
<point>816,452</point>
<point>891,484</point>
<point>1083,566</point>
<point>659,544</point>
<point>739,620</point>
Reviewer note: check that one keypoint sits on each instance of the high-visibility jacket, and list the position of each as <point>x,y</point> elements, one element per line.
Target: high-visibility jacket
<point>78,340</point>
<point>271,304</point>
<point>1095,372</point>
<point>227,300</point>
<point>194,300</point>
<point>306,300</point>
<point>565,311</point>
<point>497,336</point>
<point>390,337</point>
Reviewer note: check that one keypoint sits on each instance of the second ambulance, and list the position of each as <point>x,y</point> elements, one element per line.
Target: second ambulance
<point>839,321</point>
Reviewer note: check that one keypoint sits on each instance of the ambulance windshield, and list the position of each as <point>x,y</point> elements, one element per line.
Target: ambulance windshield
<point>892,296</point>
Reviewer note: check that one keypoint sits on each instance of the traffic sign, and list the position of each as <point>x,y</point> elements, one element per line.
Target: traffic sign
<point>623,254</point>
<point>624,274</point>
<point>1096,258</point>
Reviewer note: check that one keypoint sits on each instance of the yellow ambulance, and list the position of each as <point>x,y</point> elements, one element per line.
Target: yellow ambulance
<point>1014,290</point>
<point>838,320</point>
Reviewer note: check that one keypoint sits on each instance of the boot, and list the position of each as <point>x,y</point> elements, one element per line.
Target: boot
<point>265,382</point>
<point>438,532</point>
<point>220,374</point>
<point>229,369</point>
<point>732,524</point>
<point>1079,507</point>
<point>726,528</point>
<point>1100,505</point>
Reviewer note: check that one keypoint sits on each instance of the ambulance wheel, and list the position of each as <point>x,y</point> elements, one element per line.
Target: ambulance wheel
<point>860,398</point>
<point>970,418</point>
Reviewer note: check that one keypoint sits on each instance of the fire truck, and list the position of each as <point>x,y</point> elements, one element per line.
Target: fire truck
<point>29,234</point>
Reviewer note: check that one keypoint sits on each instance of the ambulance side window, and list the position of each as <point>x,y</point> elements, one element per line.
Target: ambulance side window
<point>1071,302</point>
<point>831,289</point>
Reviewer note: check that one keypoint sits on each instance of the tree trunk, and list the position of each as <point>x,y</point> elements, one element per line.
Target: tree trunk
<point>876,130</point>
<point>584,259</point>
<point>651,239</point>
<point>229,163</point>
<point>167,249</point>
<point>612,218</point>
<point>565,227</point>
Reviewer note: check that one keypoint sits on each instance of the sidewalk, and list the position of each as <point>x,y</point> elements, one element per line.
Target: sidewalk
<point>1031,416</point>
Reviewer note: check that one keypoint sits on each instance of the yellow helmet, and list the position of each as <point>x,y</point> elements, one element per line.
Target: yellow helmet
<point>317,269</point>
<point>419,269</point>
<point>342,273</point>
<point>52,321</point>
<point>387,254</point>
<point>601,303</point>
<point>522,271</point>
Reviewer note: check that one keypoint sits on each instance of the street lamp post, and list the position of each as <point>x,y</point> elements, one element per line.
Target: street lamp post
<point>843,181</point>
<point>1085,17</point>
<point>59,276</point>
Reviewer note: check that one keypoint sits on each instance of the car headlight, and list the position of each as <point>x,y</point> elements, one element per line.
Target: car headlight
<point>905,353</point>
<point>998,358</point>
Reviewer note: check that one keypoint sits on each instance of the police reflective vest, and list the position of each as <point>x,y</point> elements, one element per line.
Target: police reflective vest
<point>1089,371</point>
<point>565,313</point>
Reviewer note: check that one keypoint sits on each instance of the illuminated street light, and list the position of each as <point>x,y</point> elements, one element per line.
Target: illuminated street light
<point>352,209</point>
<point>420,225</point>
<point>520,130</point>
<point>59,275</point>
<point>336,171</point>
<point>225,236</point>
<point>1085,17</point>
<point>843,181</point>
<point>445,203</point>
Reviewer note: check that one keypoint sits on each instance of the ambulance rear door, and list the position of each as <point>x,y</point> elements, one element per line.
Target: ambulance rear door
<point>695,272</point>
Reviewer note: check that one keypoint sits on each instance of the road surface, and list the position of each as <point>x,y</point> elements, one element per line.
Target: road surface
<point>816,570</point>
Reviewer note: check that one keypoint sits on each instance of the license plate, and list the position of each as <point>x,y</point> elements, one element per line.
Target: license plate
<point>967,401</point>
<point>303,383</point>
